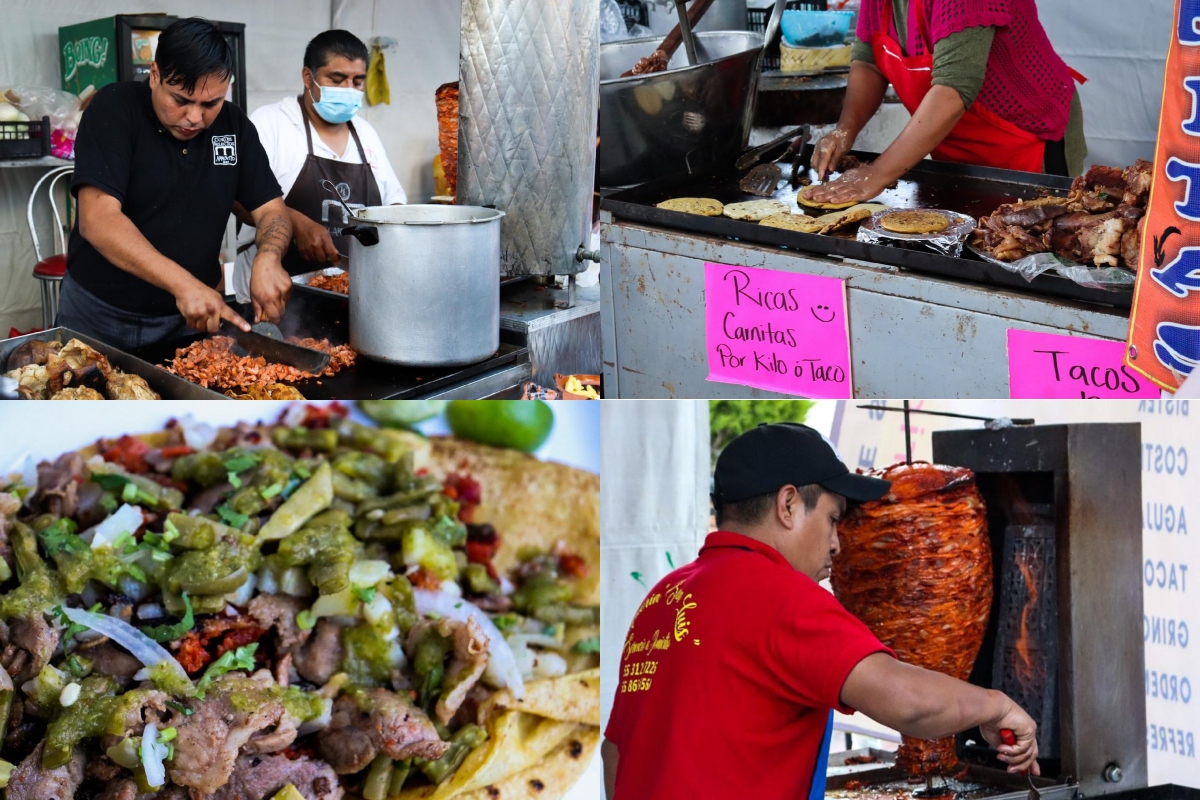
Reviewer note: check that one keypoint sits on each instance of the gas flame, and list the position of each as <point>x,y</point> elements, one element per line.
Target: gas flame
<point>1028,670</point>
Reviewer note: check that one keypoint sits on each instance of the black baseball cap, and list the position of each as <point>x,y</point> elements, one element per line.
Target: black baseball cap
<point>771,456</point>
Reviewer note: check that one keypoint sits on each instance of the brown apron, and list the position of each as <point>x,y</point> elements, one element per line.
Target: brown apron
<point>355,183</point>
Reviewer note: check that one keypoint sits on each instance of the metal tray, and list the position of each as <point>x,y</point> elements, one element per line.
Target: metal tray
<point>978,782</point>
<point>169,385</point>
<point>328,317</point>
<point>301,282</point>
<point>976,191</point>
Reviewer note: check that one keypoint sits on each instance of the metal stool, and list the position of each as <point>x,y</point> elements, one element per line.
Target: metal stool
<point>49,271</point>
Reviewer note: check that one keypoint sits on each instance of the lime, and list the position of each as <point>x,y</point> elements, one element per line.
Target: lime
<point>516,424</point>
<point>401,413</point>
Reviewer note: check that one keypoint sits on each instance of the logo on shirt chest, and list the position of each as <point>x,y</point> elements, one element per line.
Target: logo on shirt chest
<point>225,150</point>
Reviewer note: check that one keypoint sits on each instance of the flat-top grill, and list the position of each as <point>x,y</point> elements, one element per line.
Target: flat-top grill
<point>976,191</point>
<point>326,316</point>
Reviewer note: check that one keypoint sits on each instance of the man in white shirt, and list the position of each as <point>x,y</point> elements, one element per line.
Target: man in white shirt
<point>317,137</point>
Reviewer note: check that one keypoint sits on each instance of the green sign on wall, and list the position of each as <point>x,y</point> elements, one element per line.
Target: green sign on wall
<point>88,54</point>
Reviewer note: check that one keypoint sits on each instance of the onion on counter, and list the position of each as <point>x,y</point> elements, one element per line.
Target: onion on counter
<point>502,669</point>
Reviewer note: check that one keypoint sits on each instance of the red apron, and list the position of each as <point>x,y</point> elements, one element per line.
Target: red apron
<point>981,137</point>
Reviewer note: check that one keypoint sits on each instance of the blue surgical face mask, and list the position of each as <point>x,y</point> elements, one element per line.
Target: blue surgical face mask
<point>338,104</point>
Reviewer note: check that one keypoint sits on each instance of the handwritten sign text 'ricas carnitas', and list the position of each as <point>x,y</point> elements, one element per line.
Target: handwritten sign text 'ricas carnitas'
<point>778,331</point>
<point>1050,366</point>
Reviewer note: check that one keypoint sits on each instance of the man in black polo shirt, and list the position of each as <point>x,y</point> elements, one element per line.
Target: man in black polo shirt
<point>158,167</point>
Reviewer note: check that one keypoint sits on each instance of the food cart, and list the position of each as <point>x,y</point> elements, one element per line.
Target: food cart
<point>920,323</point>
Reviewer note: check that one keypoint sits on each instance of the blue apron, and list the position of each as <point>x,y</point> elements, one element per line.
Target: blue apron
<point>817,790</point>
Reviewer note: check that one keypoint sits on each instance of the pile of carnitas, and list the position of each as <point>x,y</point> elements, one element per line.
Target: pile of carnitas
<point>1098,223</point>
<point>212,363</point>
<point>311,609</point>
<point>71,371</point>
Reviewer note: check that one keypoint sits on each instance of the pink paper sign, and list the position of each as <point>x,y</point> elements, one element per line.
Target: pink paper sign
<point>1049,366</point>
<point>778,331</point>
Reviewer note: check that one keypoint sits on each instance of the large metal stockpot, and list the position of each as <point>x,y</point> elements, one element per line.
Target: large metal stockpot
<point>428,293</point>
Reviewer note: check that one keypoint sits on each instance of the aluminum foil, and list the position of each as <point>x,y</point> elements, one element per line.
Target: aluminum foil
<point>948,242</point>
<point>529,88</point>
<point>1107,278</point>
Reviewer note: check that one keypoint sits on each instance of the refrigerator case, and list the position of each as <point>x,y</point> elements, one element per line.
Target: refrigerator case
<point>122,47</point>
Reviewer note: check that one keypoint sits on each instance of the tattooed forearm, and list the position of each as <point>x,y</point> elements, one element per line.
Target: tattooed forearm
<point>274,234</point>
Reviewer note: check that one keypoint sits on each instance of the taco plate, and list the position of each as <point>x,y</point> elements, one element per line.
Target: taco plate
<point>310,608</point>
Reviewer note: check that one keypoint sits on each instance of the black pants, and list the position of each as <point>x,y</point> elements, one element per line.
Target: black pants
<point>1056,158</point>
<point>83,312</point>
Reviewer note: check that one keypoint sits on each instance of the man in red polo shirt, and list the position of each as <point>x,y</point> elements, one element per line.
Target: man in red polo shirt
<point>733,662</point>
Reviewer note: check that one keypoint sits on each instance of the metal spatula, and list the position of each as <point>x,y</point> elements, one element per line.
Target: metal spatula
<point>763,179</point>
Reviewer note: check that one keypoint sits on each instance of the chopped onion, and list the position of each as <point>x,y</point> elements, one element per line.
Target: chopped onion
<point>537,640</point>
<point>244,593</point>
<point>141,646</point>
<point>198,435</point>
<point>153,753</point>
<point>69,694</point>
<point>369,572</point>
<point>548,665</point>
<point>506,586</point>
<point>451,588</point>
<point>377,609</point>
<point>126,519</point>
<point>294,583</point>
<point>502,667</point>
<point>134,589</point>
<point>266,581</point>
<point>151,611</point>
<point>342,604</point>
<point>318,723</point>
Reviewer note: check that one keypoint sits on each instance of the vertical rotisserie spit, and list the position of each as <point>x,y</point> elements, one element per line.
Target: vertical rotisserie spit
<point>916,567</point>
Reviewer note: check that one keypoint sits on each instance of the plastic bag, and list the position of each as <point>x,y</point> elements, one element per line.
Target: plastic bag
<point>1106,278</point>
<point>41,101</point>
<point>612,22</point>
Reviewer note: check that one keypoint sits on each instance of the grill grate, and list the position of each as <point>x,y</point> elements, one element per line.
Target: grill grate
<point>1026,668</point>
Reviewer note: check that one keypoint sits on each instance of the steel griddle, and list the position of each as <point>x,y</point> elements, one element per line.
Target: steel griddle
<point>322,317</point>
<point>976,191</point>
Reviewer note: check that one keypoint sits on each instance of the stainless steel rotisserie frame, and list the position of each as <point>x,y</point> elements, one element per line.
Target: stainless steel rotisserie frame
<point>1092,475</point>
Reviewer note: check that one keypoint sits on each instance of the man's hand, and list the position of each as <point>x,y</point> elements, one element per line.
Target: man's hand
<point>270,287</point>
<point>929,705</point>
<point>855,186</point>
<point>204,308</point>
<point>1022,756</point>
<point>313,240</point>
